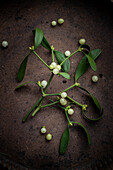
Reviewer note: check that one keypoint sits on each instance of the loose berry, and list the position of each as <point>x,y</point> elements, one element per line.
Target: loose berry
<point>94,79</point>
<point>60,20</point>
<point>43,130</point>
<point>53,23</point>
<point>63,94</point>
<point>44,83</point>
<point>49,136</point>
<point>82,41</point>
<point>4,44</point>
<point>55,71</point>
<point>67,53</point>
<point>70,111</point>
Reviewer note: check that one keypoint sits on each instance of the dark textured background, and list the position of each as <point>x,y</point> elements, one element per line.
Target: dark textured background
<point>23,143</point>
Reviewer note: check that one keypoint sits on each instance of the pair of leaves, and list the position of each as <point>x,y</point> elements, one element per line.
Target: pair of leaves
<point>44,42</point>
<point>66,136</point>
<point>38,33</point>
<point>84,65</point>
<point>96,104</point>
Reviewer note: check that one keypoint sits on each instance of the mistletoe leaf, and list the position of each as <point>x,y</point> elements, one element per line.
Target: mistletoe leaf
<point>64,140</point>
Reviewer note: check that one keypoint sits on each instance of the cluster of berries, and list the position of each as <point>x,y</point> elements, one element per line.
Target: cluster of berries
<point>56,68</point>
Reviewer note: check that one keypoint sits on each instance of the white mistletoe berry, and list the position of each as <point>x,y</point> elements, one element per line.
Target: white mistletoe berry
<point>4,44</point>
<point>58,67</point>
<point>43,130</point>
<point>63,101</point>
<point>55,71</point>
<point>70,111</point>
<point>53,23</point>
<point>67,53</point>
<point>60,20</point>
<point>82,41</point>
<point>53,64</point>
<point>94,79</point>
<point>44,83</point>
<point>63,94</point>
<point>49,136</point>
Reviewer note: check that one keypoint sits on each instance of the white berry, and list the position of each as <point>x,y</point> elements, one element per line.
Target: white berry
<point>58,67</point>
<point>55,71</point>
<point>44,83</point>
<point>53,23</point>
<point>63,101</point>
<point>60,20</point>
<point>49,136</point>
<point>53,64</point>
<point>63,94</point>
<point>4,44</point>
<point>70,111</point>
<point>51,67</point>
<point>67,53</point>
<point>82,41</point>
<point>94,79</point>
<point>43,130</point>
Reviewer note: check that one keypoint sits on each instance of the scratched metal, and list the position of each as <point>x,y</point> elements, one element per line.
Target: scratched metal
<point>23,143</point>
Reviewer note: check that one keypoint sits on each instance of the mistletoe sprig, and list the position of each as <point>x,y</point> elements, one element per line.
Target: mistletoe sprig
<point>60,66</point>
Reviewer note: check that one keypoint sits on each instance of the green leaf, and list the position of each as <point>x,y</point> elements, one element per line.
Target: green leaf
<point>91,62</point>
<point>84,65</point>
<point>101,110</point>
<point>95,53</point>
<point>88,136</point>
<point>25,84</point>
<point>22,68</point>
<point>91,119</point>
<point>60,57</point>
<point>45,43</point>
<point>82,68</point>
<point>38,37</point>
<point>93,98</point>
<point>64,140</point>
<point>66,75</point>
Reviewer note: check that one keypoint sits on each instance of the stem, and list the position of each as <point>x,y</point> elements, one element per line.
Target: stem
<point>70,87</point>
<point>41,59</point>
<point>39,107</point>
<point>36,110</point>
<point>49,82</point>
<point>69,57</point>
<point>42,90</point>
<point>24,119</point>
<point>54,94</point>
<point>53,55</point>
<point>58,105</point>
<point>63,109</point>
<point>75,101</point>
<point>67,117</point>
<point>50,104</point>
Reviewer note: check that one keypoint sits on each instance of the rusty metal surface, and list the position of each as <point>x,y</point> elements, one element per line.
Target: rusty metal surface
<point>23,143</point>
